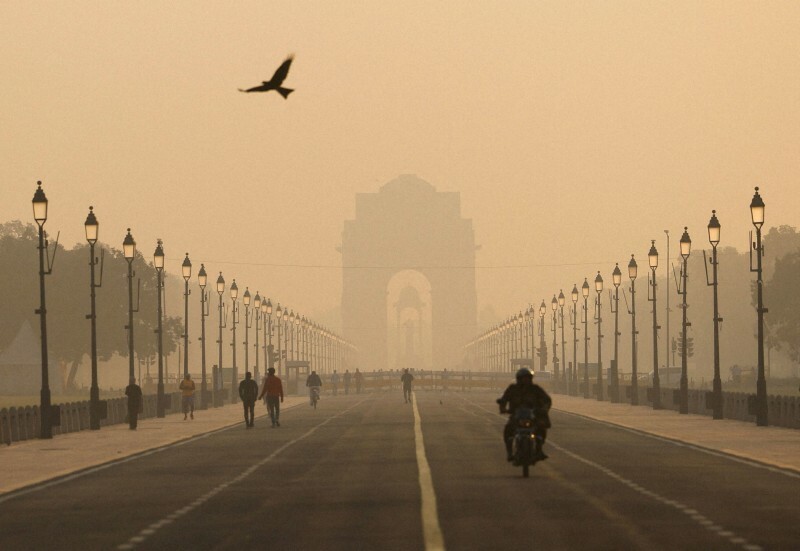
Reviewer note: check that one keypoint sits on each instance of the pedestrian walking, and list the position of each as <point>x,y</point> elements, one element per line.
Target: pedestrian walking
<point>406,379</point>
<point>187,396</point>
<point>346,379</point>
<point>273,392</point>
<point>359,378</point>
<point>134,394</point>
<point>335,383</point>
<point>248,390</point>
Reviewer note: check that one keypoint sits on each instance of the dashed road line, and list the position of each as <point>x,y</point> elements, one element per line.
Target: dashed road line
<point>175,515</point>
<point>693,514</point>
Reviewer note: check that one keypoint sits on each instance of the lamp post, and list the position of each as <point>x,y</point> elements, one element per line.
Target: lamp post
<point>129,251</point>
<point>564,378</point>
<point>290,334</point>
<point>217,376</point>
<point>186,271</point>
<point>40,215</point>
<point>542,345</point>
<point>285,337</point>
<point>297,335</point>
<point>234,320</point>
<point>554,306</point>
<point>158,263</point>
<point>633,271</point>
<point>686,249</point>
<point>279,320</point>
<point>202,280</point>
<point>652,258</point>
<point>598,287</point>
<point>574,320</point>
<point>713,238</point>
<point>257,315</point>
<point>585,293</point>
<point>616,279</point>
<point>246,299</point>
<point>266,317</point>
<point>757,216</point>
<point>91,227</point>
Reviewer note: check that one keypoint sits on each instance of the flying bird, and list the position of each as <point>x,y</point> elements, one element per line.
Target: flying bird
<point>275,82</point>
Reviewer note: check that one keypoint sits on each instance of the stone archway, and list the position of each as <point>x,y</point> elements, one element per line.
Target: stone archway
<point>408,225</point>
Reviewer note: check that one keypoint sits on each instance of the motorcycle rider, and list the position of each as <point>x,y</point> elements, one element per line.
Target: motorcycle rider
<point>525,394</point>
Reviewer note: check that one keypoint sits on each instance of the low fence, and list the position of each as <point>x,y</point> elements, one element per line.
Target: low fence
<point>782,411</point>
<point>23,423</point>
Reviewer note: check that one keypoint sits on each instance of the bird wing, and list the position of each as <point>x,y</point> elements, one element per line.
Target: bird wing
<point>282,71</point>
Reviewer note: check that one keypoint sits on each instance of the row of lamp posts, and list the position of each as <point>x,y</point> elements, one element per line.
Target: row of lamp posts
<point>317,342</point>
<point>489,346</point>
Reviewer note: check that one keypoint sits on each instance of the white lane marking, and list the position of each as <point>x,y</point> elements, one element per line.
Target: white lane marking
<point>114,462</point>
<point>693,514</point>
<point>709,451</point>
<point>152,528</point>
<point>434,541</point>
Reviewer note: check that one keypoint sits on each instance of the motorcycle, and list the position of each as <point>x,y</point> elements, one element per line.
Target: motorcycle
<point>524,443</point>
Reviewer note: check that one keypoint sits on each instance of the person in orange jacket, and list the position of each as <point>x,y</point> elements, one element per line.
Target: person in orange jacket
<point>273,389</point>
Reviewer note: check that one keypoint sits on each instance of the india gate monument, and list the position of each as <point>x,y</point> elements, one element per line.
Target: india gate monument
<point>408,263</point>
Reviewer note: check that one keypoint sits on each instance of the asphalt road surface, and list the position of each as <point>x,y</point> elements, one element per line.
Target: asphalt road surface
<point>353,474</point>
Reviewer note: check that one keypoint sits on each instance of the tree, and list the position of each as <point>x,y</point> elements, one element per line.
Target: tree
<point>782,298</point>
<point>68,299</point>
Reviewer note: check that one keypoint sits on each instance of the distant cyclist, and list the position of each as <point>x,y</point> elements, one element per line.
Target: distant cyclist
<point>314,383</point>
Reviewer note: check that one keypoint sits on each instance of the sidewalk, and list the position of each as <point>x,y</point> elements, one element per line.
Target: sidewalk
<point>35,461</point>
<point>776,446</point>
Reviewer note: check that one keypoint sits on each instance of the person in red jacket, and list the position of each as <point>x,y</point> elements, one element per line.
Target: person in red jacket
<point>273,389</point>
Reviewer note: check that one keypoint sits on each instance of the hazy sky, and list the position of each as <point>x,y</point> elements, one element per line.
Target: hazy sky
<point>575,131</point>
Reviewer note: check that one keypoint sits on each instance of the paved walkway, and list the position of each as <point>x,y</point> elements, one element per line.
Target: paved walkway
<point>776,446</point>
<point>34,461</point>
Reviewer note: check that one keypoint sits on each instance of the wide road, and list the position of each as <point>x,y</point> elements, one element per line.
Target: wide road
<point>347,476</point>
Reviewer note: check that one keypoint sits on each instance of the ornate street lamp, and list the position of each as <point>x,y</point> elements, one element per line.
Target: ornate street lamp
<point>246,300</point>
<point>686,249</point>
<point>573,314</point>
<point>290,332</point>
<point>652,258</point>
<point>92,227</point>
<point>542,345</point>
<point>186,271</point>
<point>565,379</point>
<point>281,351</point>
<point>633,272</point>
<point>554,329</point>
<point>598,287</point>
<point>266,319</point>
<point>757,217</point>
<point>257,315</point>
<point>158,263</point>
<point>234,291</point>
<point>713,238</point>
<point>219,385</point>
<point>585,293</point>
<point>616,279</point>
<point>40,215</point>
<point>202,280</point>
<point>286,327</point>
<point>298,352</point>
<point>129,251</point>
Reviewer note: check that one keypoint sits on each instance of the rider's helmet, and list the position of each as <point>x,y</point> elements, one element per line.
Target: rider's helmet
<point>524,373</point>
